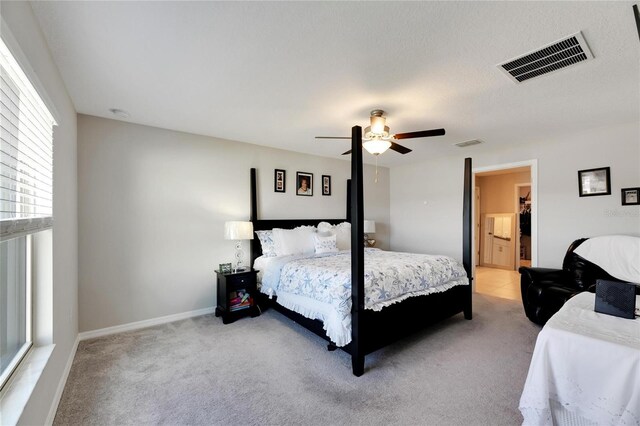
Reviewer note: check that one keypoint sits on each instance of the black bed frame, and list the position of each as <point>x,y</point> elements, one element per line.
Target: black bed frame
<point>371,330</point>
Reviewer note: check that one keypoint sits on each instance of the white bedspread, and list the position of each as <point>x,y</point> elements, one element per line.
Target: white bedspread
<point>585,369</point>
<point>390,277</point>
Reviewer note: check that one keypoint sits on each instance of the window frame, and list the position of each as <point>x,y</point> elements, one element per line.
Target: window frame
<point>7,374</point>
<point>27,227</point>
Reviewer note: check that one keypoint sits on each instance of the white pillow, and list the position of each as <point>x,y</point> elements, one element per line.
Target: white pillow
<point>294,241</point>
<point>618,255</point>
<point>342,231</point>
<point>267,243</point>
<point>325,227</point>
<point>343,236</point>
<point>325,244</point>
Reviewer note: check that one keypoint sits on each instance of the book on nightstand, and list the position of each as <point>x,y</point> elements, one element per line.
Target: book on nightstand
<point>239,300</point>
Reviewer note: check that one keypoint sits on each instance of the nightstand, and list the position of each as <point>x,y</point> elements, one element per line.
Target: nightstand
<point>237,295</point>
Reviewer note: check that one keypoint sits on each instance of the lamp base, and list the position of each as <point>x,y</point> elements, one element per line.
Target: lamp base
<point>369,242</point>
<point>239,256</point>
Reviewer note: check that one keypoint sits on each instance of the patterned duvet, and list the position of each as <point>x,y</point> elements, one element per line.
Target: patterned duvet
<point>390,277</point>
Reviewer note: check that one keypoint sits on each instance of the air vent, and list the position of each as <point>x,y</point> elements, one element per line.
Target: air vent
<point>468,143</point>
<point>550,58</point>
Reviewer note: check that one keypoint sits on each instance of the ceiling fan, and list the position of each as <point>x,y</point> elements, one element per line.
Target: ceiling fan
<point>376,138</point>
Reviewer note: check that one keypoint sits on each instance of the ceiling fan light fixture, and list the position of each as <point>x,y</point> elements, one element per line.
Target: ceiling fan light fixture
<point>376,138</point>
<point>376,146</point>
<point>370,134</point>
<point>378,124</point>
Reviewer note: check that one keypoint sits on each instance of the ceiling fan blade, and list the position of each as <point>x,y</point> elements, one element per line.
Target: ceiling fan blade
<point>346,153</point>
<point>399,148</point>
<point>419,134</point>
<point>333,137</point>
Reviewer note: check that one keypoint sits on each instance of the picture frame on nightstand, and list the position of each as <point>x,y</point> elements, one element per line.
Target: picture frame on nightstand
<point>225,268</point>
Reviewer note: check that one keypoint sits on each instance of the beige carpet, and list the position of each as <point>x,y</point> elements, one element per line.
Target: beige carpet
<point>269,370</point>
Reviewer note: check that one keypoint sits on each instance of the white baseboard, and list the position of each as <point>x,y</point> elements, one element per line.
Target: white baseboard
<point>62,383</point>
<point>143,324</point>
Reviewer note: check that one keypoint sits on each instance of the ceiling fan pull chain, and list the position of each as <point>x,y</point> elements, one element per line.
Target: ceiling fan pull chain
<point>376,179</point>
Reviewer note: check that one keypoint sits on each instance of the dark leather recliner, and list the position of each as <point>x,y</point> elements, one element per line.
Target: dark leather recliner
<point>545,290</point>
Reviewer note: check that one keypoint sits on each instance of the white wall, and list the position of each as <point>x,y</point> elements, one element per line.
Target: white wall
<point>497,192</point>
<point>152,207</point>
<point>20,21</point>
<point>436,227</point>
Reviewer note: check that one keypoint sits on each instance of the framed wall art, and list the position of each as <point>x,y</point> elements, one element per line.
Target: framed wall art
<point>304,183</point>
<point>326,185</point>
<point>631,196</point>
<point>592,182</point>
<point>279,180</point>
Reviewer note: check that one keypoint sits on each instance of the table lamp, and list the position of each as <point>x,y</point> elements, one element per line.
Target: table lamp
<point>238,230</point>
<point>369,228</point>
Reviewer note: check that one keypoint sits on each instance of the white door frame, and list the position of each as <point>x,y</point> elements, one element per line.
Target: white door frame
<point>533,164</point>
<point>476,225</point>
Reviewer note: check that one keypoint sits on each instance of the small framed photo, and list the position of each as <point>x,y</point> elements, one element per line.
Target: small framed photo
<point>304,183</point>
<point>225,268</point>
<point>592,182</point>
<point>630,196</point>
<point>279,178</point>
<point>326,185</point>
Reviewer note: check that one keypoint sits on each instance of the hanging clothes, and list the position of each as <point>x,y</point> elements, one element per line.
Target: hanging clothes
<point>525,223</point>
<point>525,214</point>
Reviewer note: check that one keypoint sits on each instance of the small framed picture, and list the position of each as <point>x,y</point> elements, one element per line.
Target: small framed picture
<point>225,268</point>
<point>326,185</point>
<point>279,177</point>
<point>304,183</point>
<point>630,196</point>
<point>592,182</point>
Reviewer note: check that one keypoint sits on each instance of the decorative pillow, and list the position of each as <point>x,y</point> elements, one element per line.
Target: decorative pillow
<point>294,241</point>
<point>267,243</point>
<point>618,255</point>
<point>326,244</point>
<point>325,227</point>
<point>342,231</point>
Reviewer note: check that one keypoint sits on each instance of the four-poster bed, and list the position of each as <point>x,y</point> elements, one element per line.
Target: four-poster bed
<point>372,330</point>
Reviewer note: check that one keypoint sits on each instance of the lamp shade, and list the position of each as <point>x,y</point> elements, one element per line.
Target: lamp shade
<point>238,230</point>
<point>376,146</point>
<point>369,227</point>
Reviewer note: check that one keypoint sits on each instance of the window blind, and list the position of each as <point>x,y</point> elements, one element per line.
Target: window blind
<point>26,153</point>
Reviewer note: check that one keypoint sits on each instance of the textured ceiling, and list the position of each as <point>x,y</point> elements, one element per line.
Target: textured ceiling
<point>280,73</point>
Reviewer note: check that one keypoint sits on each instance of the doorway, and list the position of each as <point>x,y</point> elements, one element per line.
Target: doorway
<point>505,235</point>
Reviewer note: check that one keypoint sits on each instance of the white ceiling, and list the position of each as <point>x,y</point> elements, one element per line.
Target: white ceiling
<point>280,73</point>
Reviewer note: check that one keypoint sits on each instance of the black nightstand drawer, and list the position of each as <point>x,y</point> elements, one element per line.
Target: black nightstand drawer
<point>238,280</point>
<point>237,295</point>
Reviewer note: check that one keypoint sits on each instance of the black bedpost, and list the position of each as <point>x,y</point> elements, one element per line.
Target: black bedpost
<point>636,14</point>
<point>254,212</point>
<point>357,252</point>
<point>467,242</point>
<point>349,200</point>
